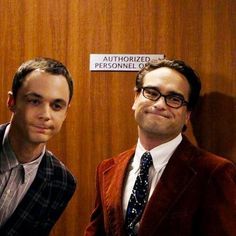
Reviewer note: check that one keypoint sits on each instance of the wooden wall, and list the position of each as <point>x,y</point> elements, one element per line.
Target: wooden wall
<point>100,121</point>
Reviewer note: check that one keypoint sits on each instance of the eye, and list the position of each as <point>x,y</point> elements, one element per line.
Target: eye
<point>151,92</point>
<point>33,101</point>
<point>175,99</point>
<point>57,106</point>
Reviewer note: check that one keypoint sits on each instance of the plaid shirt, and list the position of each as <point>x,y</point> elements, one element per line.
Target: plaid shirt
<point>45,200</point>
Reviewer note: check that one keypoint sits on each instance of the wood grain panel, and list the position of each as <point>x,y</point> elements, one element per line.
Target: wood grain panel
<point>100,121</point>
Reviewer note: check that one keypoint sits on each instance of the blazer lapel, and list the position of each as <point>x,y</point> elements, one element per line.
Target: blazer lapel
<point>113,179</point>
<point>175,180</point>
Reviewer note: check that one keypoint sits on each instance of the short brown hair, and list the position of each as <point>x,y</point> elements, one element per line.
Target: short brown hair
<point>48,65</point>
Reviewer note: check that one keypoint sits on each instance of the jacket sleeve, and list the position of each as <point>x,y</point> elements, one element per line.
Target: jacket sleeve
<point>63,192</point>
<point>219,208</point>
<point>96,224</point>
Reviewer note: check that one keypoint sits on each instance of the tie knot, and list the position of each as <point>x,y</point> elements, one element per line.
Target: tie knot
<point>146,161</point>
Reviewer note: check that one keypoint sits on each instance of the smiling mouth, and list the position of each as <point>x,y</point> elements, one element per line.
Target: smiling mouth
<point>158,114</point>
<point>41,129</point>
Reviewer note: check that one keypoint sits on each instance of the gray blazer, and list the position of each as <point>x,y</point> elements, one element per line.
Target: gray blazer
<point>45,200</point>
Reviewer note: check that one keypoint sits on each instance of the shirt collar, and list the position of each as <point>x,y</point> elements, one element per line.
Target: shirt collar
<point>9,161</point>
<point>31,167</point>
<point>160,154</point>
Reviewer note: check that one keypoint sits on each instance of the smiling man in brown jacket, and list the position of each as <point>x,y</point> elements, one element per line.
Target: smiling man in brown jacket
<point>179,189</point>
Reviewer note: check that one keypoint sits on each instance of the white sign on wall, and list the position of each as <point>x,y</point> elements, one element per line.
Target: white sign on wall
<point>121,62</point>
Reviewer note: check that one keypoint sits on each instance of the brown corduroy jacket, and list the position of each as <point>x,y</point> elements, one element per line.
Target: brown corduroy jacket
<point>196,196</point>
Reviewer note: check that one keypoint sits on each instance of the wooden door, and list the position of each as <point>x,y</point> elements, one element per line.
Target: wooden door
<point>100,121</point>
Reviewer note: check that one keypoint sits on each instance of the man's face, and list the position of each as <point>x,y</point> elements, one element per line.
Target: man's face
<point>40,107</point>
<point>156,118</point>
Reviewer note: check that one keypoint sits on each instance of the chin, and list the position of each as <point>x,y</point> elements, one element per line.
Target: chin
<point>39,140</point>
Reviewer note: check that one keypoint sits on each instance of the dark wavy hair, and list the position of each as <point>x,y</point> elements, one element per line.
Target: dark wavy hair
<point>180,66</point>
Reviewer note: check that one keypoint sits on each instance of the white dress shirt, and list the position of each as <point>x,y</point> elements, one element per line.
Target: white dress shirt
<point>160,155</point>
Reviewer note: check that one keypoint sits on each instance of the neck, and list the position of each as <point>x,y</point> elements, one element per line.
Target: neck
<point>24,151</point>
<point>150,141</point>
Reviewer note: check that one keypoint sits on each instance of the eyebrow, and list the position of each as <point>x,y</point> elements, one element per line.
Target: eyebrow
<point>168,93</point>
<point>33,95</point>
<point>36,95</point>
<point>176,93</point>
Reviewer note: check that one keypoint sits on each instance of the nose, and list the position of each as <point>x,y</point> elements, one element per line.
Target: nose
<point>45,112</point>
<point>160,103</point>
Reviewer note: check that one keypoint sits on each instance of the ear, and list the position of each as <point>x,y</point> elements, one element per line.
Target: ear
<point>11,102</point>
<point>135,101</point>
<point>188,114</point>
<point>67,109</point>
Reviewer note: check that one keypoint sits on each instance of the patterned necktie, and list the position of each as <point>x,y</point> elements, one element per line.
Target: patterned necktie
<point>139,195</point>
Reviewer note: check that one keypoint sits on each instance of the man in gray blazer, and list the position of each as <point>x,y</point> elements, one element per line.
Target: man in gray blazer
<point>35,186</point>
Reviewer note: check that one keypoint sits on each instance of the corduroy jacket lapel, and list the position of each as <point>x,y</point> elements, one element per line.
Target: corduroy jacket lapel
<point>113,190</point>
